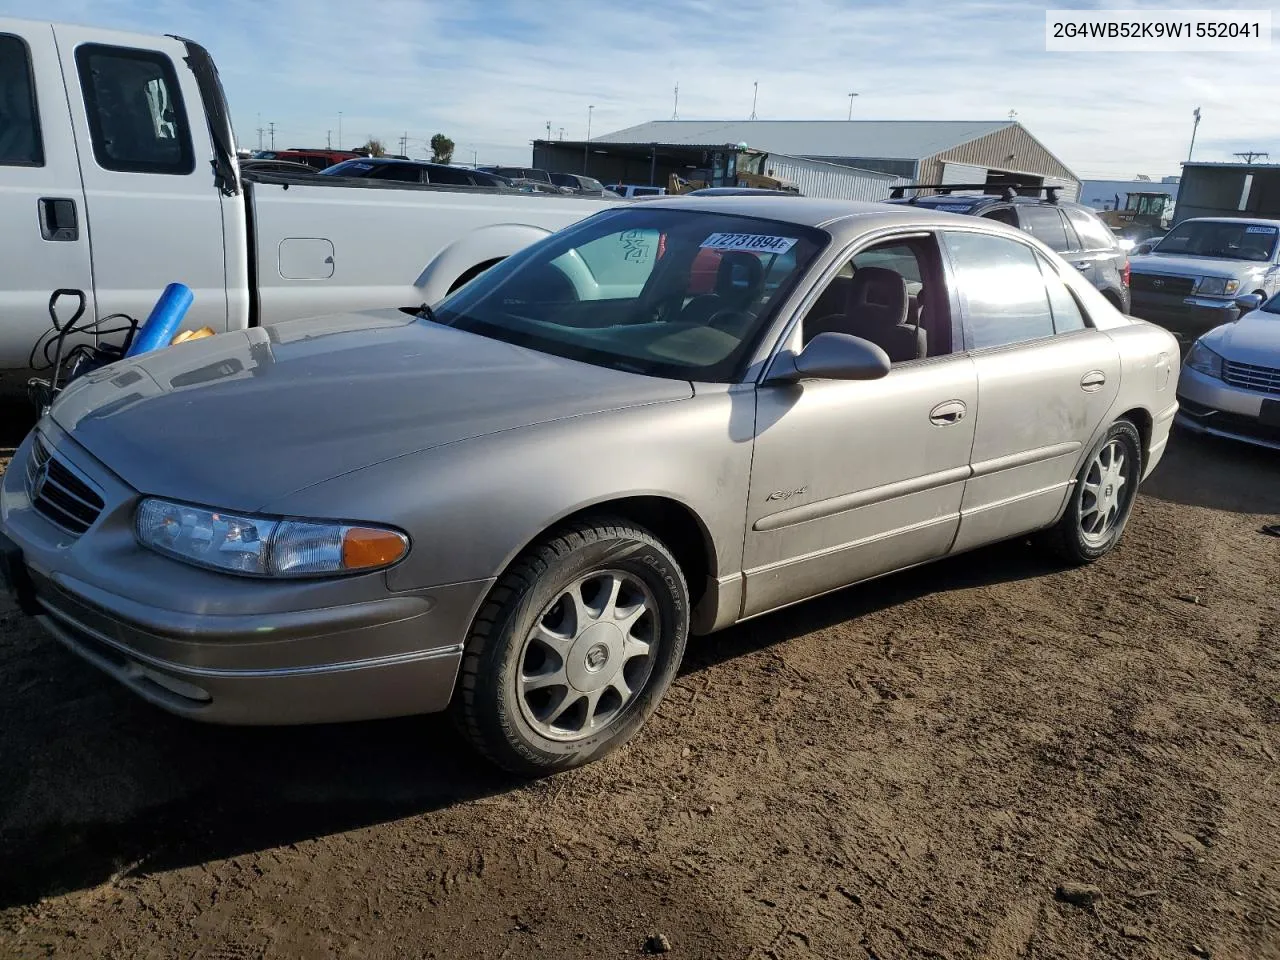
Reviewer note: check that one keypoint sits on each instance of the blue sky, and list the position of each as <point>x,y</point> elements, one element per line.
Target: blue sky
<point>491,75</point>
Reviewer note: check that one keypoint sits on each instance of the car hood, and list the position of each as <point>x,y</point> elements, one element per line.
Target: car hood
<point>242,419</point>
<point>1254,338</point>
<point>1171,265</point>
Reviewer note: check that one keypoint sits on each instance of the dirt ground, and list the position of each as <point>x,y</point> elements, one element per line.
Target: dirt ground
<point>910,768</point>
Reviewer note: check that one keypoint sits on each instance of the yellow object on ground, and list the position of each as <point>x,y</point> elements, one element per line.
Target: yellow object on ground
<point>186,335</point>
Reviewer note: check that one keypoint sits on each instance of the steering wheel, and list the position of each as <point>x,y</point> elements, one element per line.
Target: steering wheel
<point>731,321</point>
<point>701,309</point>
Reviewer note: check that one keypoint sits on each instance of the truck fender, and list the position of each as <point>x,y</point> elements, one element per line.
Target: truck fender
<point>483,246</point>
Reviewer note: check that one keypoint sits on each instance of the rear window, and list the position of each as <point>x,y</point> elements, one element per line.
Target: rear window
<point>20,144</point>
<point>137,120</point>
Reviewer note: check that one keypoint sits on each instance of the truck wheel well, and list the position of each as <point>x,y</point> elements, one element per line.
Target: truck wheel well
<point>674,524</point>
<point>1142,420</point>
<point>473,272</point>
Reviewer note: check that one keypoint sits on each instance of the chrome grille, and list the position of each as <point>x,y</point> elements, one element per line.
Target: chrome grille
<point>1252,377</point>
<point>58,494</point>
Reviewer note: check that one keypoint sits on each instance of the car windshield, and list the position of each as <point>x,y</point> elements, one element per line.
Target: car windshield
<point>660,292</point>
<point>1230,240</point>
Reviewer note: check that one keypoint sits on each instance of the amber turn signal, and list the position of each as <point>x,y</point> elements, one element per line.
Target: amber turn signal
<point>364,548</point>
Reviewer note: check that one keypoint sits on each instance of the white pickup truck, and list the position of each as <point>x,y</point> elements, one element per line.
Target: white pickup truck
<point>118,175</point>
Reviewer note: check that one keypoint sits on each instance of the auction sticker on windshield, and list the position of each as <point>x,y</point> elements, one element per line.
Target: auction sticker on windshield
<point>756,242</point>
<point>1258,229</point>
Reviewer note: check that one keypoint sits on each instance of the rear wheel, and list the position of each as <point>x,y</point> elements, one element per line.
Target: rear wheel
<point>1102,498</point>
<point>574,648</point>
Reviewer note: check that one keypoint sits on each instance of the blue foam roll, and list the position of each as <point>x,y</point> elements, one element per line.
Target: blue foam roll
<point>166,317</point>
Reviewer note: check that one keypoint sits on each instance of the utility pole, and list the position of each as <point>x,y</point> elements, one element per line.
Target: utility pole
<point>851,96</point>
<point>328,139</point>
<point>755,91</point>
<point>586,146</point>
<point>260,131</point>
<point>340,141</point>
<point>675,107</point>
<point>548,129</point>
<point>1192,148</point>
<point>1248,155</point>
<point>404,144</point>
<point>272,125</point>
<point>562,133</point>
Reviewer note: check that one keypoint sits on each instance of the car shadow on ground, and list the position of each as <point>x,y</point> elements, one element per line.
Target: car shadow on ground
<point>1199,471</point>
<point>162,793</point>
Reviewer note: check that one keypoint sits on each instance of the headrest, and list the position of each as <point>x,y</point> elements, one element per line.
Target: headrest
<point>740,276</point>
<point>877,297</point>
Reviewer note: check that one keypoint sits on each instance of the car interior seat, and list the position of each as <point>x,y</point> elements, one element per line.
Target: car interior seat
<point>876,310</point>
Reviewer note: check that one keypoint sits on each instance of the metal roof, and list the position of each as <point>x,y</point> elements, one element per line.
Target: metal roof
<point>873,139</point>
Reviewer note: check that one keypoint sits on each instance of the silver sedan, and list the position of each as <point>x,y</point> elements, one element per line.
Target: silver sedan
<point>518,505</point>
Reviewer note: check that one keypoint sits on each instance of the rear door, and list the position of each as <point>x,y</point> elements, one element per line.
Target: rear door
<point>1100,257</point>
<point>1045,381</point>
<point>44,244</point>
<point>154,212</point>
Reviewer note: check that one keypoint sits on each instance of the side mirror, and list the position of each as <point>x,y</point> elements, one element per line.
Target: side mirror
<point>833,356</point>
<point>1248,302</point>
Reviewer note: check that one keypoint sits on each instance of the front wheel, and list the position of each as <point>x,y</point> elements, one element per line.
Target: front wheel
<point>574,648</point>
<point>1102,498</point>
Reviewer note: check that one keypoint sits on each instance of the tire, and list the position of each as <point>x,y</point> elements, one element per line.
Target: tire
<point>534,648</point>
<point>1077,537</point>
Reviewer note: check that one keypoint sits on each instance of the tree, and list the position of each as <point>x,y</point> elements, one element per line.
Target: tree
<point>372,148</point>
<point>441,149</point>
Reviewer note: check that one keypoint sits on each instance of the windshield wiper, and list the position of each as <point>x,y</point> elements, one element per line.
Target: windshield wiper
<point>426,313</point>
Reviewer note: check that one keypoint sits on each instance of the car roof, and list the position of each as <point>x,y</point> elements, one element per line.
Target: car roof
<point>850,215</point>
<point>1259,221</point>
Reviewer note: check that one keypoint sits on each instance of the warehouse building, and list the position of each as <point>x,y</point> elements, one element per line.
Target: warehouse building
<point>1228,190</point>
<point>875,154</point>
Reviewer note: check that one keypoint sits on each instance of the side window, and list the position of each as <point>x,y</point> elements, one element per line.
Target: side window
<point>1093,233</point>
<point>448,175</point>
<point>1002,290</point>
<point>1046,225</point>
<point>885,294</point>
<point>400,172</point>
<point>136,117</point>
<point>1001,215</point>
<point>1066,312</point>
<point>20,144</point>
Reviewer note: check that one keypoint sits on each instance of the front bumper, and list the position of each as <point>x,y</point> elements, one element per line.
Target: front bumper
<point>1186,317</point>
<point>227,649</point>
<point>1214,408</point>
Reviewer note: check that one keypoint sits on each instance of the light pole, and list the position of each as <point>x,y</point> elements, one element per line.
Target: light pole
<point>340,146</point>
<point>755,92</point>
<point>548,129</point>
<point>851,96</point>
<point>586,147</point>
<point>1193,134</point>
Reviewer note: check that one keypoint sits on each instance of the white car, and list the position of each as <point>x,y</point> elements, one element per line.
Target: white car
<point>1230,384</point>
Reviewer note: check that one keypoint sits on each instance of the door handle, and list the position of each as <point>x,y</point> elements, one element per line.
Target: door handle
<point>58,219</point>
<point>1082,264</point>
<point>1093,381</point>
<point>945,414</point>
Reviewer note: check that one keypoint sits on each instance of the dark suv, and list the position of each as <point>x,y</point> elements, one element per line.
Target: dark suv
<point>1072,231</point>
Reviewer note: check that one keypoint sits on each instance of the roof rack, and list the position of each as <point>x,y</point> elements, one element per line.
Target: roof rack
<point>1008,191</point>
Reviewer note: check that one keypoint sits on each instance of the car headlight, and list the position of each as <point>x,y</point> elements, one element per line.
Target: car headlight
<point>264,546</point>
<point>1218,287</point>
<point>1203,360</point>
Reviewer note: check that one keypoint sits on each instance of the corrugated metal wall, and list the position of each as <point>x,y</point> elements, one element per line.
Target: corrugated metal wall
<point>1010,149</point>
<point>814,178</point>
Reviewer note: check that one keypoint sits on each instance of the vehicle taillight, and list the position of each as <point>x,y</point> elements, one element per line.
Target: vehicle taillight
<point>1124,274</point>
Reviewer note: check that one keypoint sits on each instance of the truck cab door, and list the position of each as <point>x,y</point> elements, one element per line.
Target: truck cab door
<point>154,212</point>
<point>44,245</point>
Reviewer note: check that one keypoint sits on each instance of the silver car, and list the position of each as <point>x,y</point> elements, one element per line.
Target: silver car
<point>1230,383</point>
<point>664,420</point>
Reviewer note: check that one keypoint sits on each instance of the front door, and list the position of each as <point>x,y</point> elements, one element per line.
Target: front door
<point>44,244</point>
<point>154,213</point>
<point>1045,381</point>
<point>854,479</point>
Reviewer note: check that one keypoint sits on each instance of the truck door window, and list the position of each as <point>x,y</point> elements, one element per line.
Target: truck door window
<point>137,120</point>
<point>20,144</point>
